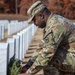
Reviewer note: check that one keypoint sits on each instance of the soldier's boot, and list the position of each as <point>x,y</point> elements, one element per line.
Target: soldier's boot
<point>50,71</point>
<point>73,74</point>
<point>63,73</point>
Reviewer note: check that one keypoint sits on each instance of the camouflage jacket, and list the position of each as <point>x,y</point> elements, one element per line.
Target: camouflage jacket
<point>59,38</point>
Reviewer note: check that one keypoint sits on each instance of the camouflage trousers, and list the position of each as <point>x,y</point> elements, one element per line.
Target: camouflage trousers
<point>63,63</point>
<point>61,68</point>
<point>49,70</point>
<point>54,71</point>
<point>60,65</point>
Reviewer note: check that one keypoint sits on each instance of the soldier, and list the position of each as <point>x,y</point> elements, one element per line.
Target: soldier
<point>58,51</point>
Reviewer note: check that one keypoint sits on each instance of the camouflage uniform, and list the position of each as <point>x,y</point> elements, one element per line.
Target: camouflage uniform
<point>59,40</point>
<point>60,36</point>
<point>59,46</point>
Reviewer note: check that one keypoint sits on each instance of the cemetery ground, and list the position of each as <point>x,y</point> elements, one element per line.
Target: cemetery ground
<point>35,40</point>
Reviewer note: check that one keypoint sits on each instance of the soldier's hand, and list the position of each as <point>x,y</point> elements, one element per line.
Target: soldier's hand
<point>23,74</point>
<point>23,70</point>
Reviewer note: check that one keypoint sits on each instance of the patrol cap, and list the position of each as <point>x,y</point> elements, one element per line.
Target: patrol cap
<point>34,9</point>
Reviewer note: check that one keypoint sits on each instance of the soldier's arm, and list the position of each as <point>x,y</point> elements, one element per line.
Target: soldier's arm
<point>52,41</point>
<point>31,60</point>
<point>41,61</point>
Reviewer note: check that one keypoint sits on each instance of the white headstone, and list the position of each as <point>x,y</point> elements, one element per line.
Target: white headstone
<point>5,23</point>
<point>21,45</point>
<point>0,33</point>
<point>29,32</point>
<point>74,23</point>
<point>32,29</point>
<point>11,43</point>
<point>25,41</point>
<point>3,58</point>
<point>17,46</point>
<point>9,29</point>
<point>26,23</point>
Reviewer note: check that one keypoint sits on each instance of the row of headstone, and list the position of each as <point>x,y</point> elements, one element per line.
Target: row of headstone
<point>20,42</point>
<point>15,26</point>
<point>17,45</point>
<point>25,39</point>
<point>4,25</point>
<point>1,32</point>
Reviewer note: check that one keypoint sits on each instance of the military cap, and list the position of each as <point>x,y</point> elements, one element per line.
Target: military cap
<point>34,9</point>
